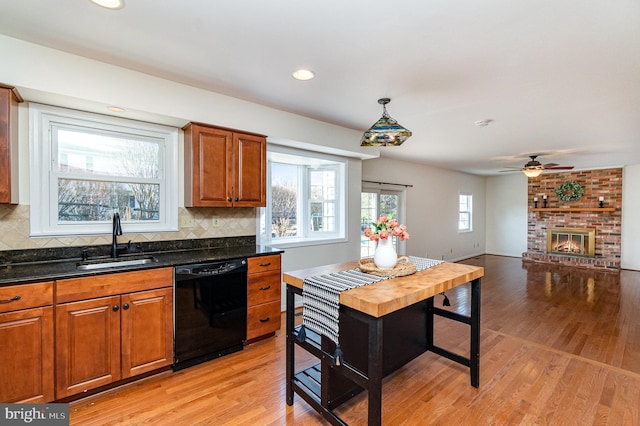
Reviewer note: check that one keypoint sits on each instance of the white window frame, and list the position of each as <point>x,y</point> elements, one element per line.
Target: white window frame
<point>306,236</point>
<point>469,212</point>
<point>43,178</point>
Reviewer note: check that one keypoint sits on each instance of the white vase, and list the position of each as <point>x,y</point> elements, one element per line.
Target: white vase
<point>385,256</point>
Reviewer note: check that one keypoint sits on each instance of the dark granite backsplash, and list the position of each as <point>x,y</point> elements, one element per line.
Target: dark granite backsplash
<point>61,253</point>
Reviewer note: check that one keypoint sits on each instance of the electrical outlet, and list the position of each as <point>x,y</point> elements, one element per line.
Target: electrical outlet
<point>187,222</point>
<point>215,222</point>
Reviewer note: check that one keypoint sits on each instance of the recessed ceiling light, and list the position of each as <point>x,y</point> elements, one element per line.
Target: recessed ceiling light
<point>109,4</point>
<point>115,109</point>
<point>303,74</point>
<point>483,123</point>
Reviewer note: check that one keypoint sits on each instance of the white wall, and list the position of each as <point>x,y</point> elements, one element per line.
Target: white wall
<point>630,224</point>
<point>432,207</point>
<point>506,214</point>
<point>58,78</point>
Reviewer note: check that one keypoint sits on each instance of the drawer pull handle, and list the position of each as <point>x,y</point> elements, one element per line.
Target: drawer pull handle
<point>266,288</point>
<point>13,299</point>
<point>265,264</point>
<point>265,319</point>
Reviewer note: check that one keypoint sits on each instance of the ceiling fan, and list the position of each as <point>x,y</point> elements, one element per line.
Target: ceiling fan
<point>534,168</point>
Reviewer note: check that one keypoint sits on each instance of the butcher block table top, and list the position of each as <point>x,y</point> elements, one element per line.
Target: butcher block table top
<point>381,298</point>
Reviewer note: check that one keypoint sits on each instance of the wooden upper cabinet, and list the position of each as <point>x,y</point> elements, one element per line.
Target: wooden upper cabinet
<point>250,170</point>
<point>9,99</point>
<point>224,167</point>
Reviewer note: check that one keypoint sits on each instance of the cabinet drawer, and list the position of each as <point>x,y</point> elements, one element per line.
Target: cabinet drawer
<point>25,296</point>
<point>263,263</point>
<point>263,319</point>
<point>263,288</point>
<point>74,289</point>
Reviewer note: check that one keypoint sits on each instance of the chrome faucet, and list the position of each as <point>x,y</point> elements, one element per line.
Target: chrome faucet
<point>117,230</point>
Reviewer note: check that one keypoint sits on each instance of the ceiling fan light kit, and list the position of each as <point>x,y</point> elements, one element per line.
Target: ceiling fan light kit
<point>532,172</point>
<point>386,131</point>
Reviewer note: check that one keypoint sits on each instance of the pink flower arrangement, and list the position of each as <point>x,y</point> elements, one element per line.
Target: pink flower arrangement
<point>384,228</point>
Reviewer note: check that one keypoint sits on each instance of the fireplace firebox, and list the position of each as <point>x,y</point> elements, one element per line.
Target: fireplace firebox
<point>571,241</point>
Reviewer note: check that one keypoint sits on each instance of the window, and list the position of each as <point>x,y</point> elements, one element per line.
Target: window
<point>86,166</point>
<point>376,201</point>
<point>305,198</point>
<point>465,217</point>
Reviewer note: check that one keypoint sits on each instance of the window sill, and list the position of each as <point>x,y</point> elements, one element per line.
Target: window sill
<point>305,243</point>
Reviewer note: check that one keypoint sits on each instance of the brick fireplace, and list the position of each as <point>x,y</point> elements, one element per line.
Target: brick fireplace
<point>576,221</point>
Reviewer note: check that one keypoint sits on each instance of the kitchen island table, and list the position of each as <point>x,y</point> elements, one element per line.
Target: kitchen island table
<point>383,326</point>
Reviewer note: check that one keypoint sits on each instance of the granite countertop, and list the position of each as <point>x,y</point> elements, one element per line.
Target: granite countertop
<point>44,270</point>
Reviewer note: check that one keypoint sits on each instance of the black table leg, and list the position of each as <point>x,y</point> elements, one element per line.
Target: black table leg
<point>475,333</point>
<point>374,387</point>
<point>429,327</point>
<point>290,350</point>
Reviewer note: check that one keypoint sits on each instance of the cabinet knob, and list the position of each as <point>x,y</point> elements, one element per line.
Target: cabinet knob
<point>125,306</point>
<point>115,308</point>
<point>237,199</point>
<point>229,199</point>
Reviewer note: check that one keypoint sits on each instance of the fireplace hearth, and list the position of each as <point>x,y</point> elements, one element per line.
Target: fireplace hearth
<point>571,241</point>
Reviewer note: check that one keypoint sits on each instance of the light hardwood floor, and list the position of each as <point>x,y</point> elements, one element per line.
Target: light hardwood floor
<point>559,346</point>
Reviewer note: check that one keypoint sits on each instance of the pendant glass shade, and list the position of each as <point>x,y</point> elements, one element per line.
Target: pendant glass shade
<point>386,131</point>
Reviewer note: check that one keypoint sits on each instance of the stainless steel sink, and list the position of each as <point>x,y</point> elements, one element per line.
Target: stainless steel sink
<point>115,263</point>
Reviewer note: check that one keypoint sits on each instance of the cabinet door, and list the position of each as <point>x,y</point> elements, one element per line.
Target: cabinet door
<point>26,357</point>
<point>210,162</point>
<point>87,345</point>
<point>250,170</point>
<point>147,331</point>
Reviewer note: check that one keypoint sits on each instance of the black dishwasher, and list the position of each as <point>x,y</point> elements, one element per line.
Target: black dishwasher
<point>210,306</point>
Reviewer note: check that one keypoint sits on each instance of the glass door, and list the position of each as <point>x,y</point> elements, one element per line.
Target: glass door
<point>375,202</point>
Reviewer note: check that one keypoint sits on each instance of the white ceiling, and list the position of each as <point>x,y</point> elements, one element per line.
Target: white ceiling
<point>557,77</point>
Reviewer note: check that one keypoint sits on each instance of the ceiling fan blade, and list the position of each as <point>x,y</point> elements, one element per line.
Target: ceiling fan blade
<point>549,165</point>
<point>559,168</point>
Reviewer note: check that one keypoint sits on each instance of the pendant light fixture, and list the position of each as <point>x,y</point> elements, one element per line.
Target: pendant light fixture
<point>386,131</point>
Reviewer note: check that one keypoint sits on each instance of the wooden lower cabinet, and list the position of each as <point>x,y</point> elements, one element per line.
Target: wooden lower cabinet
<point>100,341</point>
<point>87,345</point>
<point>26,343</point>
<point>264,278</point>
<point>26,356</point>
<point>147,331</point>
